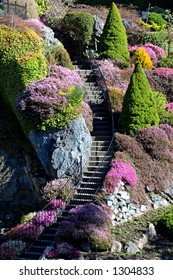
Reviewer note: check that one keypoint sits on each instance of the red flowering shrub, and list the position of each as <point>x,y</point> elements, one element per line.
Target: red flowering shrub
<point>28,231</point>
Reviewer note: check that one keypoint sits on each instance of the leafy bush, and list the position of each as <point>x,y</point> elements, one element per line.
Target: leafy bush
<point>142,56</point>
<point>59,56</point>
<point>28,217</point>
<point>79,27</point>
<point>161,101</point>
<point>116,98</point>
<point>157,18</point>
<point>119,171</point>
<point>164,224</point>
<point>166,118</point>
<point>113,40</point>
<point>63,188</point>
<point>166,62</point>
<point>19,63</point>
<point>139,106</point>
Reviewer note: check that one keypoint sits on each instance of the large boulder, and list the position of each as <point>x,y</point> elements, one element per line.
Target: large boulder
<point>63,152</point>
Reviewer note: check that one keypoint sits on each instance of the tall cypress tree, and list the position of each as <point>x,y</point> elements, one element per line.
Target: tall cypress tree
<point>113,40</point>
<point>139,105</point>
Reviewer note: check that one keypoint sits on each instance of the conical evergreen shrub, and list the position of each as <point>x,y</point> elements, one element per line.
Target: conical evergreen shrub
<point>139,105</point>
<point>113,40</point>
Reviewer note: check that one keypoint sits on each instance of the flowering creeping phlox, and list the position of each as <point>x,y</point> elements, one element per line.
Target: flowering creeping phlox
<point>45,218</point>
<point>119,171</point>
<point>168,129</point>
<point>87,115</point>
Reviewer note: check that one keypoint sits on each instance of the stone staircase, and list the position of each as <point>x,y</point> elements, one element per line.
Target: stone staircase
<point>98,165</point>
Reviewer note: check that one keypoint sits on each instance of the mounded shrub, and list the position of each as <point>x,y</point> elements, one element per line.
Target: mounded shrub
<point>86,222</point>
<point>130,150</point>
<point>113,40</point>
<point>155,142</point>
<point>139,106</point>
<point>79,27</point>
<point>19,63</point>
<point>116,98</point>
<point>164,224</point>
<point>54,101</point>
<point>58,55</point>
<point>142,56</point>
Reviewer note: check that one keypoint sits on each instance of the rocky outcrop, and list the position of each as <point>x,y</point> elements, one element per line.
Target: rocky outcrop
<point>63,152</point>
<point>23,189</point>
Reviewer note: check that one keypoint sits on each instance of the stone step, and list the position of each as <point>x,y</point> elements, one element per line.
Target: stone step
<point>100,158</point>
<point>101,153</point>
<point>101,133</point>
<point>93,179</point>
<point>101,138</point>
<point>93,166</point>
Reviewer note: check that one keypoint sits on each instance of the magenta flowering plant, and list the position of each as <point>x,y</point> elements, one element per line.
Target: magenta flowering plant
<point>34,23</point>
<point>45,218</point>
<point>119,171</point>
<point>57,204</point>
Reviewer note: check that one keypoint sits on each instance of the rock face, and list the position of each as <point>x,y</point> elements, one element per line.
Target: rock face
<point>24,185</point>
<point>63,149</point>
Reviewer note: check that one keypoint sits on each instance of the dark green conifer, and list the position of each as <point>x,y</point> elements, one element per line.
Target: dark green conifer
<point>113,40</point>
<point>139,105</point>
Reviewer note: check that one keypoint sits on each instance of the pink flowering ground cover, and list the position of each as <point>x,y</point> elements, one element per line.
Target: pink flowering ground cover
<point>119,171</point>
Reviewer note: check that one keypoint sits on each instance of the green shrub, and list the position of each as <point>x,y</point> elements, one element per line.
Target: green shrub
<point>139,106</point>
<point>164,224</point>
<point>116,98</point>
<point>161,101</point>
<point>165,62</point>
<point>58,55</point>
<point>166,117</point>
<point>21,61</point>
<point>113,40</point>
<point>79,27</point>
<point>42,7</point>
<point>157,19</point>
